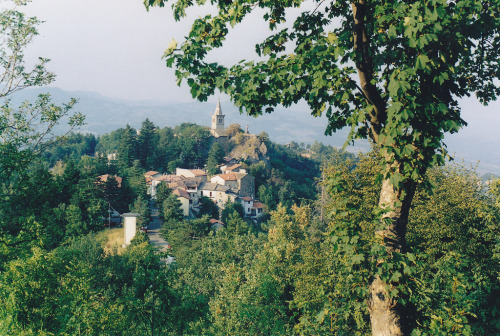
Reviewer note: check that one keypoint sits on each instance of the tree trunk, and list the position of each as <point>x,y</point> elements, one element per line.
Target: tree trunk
<point>386,315</point>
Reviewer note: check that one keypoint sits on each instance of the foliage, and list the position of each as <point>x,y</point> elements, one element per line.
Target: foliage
<point>73,146</point>
<point>232,209</point>
<point>79,289</point>
<point>215,157</point>
<point>208,207</point>
<point>202,262</point>
<point>25,131</point>
<point>233,129</point>
<point>114,194</point>
<point>468,224</point>
<point>413,61</point>
<point>172,211</point>
<point>146,142</point>
<point>127,150</point>
<point>193,144</point>
<point>141,206</point>
<point>451,243</point>
<point>162,192</point>
<point>87,209</point>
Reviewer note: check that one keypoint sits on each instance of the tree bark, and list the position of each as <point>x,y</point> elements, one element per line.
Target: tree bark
<point>386,315</point>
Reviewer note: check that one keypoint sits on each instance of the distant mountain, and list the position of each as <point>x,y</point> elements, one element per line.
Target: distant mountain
<point>479,142</point>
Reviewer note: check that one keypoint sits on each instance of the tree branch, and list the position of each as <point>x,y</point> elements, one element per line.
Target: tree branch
<point>364,66</point>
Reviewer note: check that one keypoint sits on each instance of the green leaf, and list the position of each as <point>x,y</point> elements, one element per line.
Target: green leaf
<point>171,47</point>
<point>396,179</point>
<point>421,62</point>
<point>391,32</point>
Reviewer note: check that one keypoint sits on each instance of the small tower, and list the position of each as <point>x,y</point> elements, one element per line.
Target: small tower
<point>130,225</point>
<point>218,130</point>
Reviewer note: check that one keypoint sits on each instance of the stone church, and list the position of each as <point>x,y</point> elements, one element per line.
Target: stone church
<point>217,128</point>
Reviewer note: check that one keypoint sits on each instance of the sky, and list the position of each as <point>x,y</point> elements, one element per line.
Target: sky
<point>114,48</point>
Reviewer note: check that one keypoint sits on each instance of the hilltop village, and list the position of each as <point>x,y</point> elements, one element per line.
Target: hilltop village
<point>233,184</point>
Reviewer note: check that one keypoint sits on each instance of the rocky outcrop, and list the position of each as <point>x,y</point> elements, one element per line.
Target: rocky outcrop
<point>248,147</point>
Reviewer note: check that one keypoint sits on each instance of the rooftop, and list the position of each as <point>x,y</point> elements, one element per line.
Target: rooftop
<point>151,173</point>
<point>213,187</point>
<point>235,166</point>
<point>228,176</point>
<point>181,193</point>
<point>198,172</point>
<point>258,205</point>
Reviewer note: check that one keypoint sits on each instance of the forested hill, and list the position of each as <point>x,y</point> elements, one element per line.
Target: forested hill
<point>104,115</point>
<point>284,174</point>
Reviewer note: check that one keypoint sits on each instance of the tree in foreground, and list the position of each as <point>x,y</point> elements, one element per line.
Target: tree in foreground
<point>25,129</point>
<point>391,71</point>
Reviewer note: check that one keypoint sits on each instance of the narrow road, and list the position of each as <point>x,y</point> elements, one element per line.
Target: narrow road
<point>154,232</point>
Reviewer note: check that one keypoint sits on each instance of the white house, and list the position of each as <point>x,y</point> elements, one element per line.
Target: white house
<point>235,168</point>
<point>229,180</point>
<point>253,208</point>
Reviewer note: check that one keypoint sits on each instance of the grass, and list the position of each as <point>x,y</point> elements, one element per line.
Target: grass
<point>113,240</point>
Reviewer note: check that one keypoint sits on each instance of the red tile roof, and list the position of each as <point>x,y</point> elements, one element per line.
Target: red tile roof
<point>258,205</point>
<point>198,172</point>
<point>170,178</point>
<point>228,177</point>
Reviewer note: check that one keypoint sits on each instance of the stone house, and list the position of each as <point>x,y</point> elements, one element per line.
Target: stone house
<point>242,183</point>
<point>218,193</point>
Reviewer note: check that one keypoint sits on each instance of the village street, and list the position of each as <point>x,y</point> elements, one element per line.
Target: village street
<point>154,231</point>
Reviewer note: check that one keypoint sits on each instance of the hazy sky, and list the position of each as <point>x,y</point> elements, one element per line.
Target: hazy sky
<point>114,47</point>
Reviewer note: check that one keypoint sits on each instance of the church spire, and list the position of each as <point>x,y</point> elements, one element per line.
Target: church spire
<point>218,110</point>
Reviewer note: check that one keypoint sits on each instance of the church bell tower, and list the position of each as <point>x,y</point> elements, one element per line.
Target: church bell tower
<point>217,129</point>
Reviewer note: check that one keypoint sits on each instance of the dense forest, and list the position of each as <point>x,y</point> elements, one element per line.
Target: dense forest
<point>302,269</point>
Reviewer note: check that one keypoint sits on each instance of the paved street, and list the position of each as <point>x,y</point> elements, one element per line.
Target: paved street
<point>154,232</point>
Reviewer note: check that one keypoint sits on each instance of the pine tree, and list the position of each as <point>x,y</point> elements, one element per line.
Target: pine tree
<point>127,151</point>
<point>215,157</point>
<point>146,144</point>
